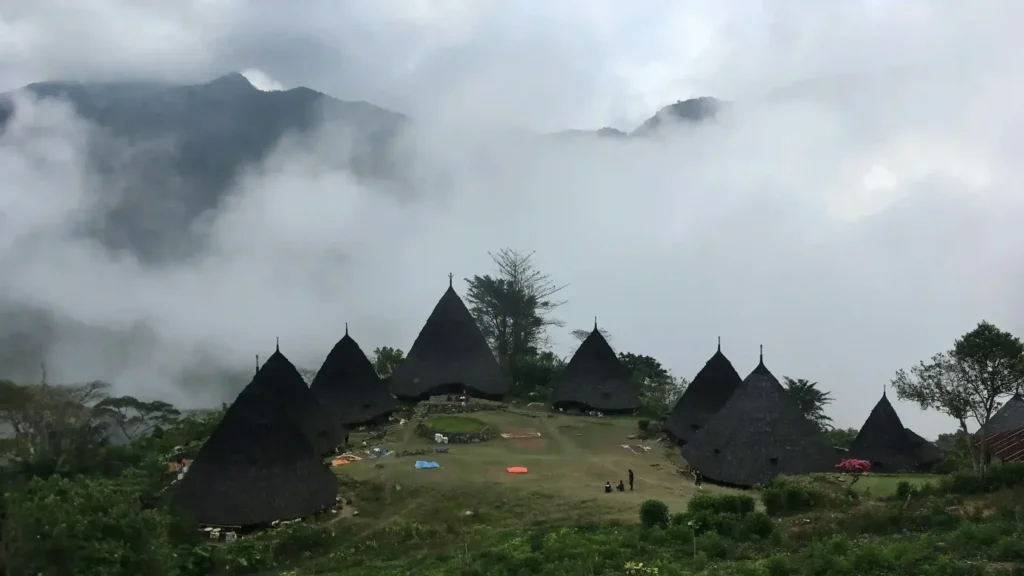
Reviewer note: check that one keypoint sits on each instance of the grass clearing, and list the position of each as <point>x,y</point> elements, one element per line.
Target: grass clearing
<point>456,424</point>
<point>568,464</point>
<point>883,485</point>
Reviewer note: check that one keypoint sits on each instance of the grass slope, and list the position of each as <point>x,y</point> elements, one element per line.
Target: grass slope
<point>570,462</point>
<point>470,517</point>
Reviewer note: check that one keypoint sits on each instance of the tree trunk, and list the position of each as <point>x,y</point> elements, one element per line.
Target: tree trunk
<point>977,456</point>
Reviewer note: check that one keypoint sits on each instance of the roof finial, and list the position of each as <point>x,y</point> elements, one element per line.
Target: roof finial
<point>346,328</point>
<point>719,343</point>
<point>450,276</point>
<point>762,353</point>
<point>277,344</point>
<point>884,387</point>
<point>257,363</point>
<point>595,322</point>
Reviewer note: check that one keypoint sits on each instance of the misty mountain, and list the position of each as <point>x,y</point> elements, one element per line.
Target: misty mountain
<point>189,142</point>
<point>683,111</point>
<point>165,154</point>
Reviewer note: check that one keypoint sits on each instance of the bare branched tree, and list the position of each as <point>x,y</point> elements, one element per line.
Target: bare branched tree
<point>514,307</point>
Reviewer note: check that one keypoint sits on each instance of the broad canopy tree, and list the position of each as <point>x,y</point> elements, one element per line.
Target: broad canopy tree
<point>969,381</point>
<point>657,387</point>
<point>810,399</point>
<point>136,418</point>
<point>386,359</point>
<point>514,307</point>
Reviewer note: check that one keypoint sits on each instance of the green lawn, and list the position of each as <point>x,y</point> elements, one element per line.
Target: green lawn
<point>569,464</point>
<point>456,424</point>
<point>881,485</point>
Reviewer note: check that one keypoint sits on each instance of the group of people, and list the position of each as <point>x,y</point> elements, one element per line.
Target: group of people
<point>621,487</point>
<point>698,481</point>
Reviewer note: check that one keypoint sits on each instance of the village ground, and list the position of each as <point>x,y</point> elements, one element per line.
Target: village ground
<point>568,465</point>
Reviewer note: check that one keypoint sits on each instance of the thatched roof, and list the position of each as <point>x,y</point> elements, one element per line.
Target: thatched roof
<point>279,376</point>
<point>595,379</point>
<point>759,434</point>
<point>884,442</point>
<point>348,386</point>
<point>258,465</point>
<point>1009,417</point>
<point>926,453</point>
<point>450,355</point>
<point>710,389</point>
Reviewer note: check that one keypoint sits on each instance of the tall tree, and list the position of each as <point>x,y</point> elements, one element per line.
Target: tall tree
<point>967,382</point>
<point>52,425</point>
<point>514,307</point>
<point>533,376</point>
<point>810,399</point>
<point>386,359</point>
<point>657,388</point>
<point>135,418</point>
<point>841,437</point>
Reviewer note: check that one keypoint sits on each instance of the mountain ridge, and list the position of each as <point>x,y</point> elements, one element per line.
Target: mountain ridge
<point>209,132</point>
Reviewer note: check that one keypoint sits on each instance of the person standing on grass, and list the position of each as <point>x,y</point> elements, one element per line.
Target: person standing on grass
<point>698,479</point>
<point>630,479</point>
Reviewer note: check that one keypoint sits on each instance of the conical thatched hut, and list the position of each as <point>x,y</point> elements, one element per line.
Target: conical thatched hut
<point>348,386</point>
<point>449,356</point>
<point>1008,418</point>
<point>258,465</point>
<point>595,379</point>
<point>710,389</point>
<point>926,453</point>
<point>1002,437</point>
<point>759,434</point>
<point>279,377</point>
<point>884,442</point>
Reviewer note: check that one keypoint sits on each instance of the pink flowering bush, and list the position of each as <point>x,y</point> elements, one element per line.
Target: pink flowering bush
<point>854,466</point>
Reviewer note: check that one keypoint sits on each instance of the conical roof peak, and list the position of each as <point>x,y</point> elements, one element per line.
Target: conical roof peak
<point>348,385</point>
<point>1010,416</point>
<point>757,435</point>
<point>595,379</point>
<point>883,440</point>
<point>709,390</point>
<point>449,354</point>
<point>261,463</point>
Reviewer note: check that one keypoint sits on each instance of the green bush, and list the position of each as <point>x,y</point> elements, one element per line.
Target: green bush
<point>757,524</point>
<point>653,513</point>
<point>643,425</point>
<point>792,496</point>
<point>739,504</point>
<point>904,489</point>
<point>85,527</point>
<point>996,477</point>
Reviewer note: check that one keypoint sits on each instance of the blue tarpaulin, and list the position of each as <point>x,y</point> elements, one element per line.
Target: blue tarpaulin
<point>425,464</point>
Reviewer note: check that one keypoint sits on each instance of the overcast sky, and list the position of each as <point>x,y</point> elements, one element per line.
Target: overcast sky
<point>854,224</point>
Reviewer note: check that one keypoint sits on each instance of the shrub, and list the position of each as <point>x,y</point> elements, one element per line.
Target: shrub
<point>854,466</point>
<point>758,524</point>
<point>84,527</point>
<point>712,544</point>
<point>1009,549</point>
<point>739,504</point>
<point>704,521</point>
<point>792,496</point>
<point>653,513</point>
<point>904,489</point>
<point>996,477</point>
<point>643,425</point>
<point>779,565</point>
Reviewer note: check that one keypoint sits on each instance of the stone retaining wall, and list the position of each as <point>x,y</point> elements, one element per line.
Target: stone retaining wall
<point>426,431</point>
<point>460,409</point>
